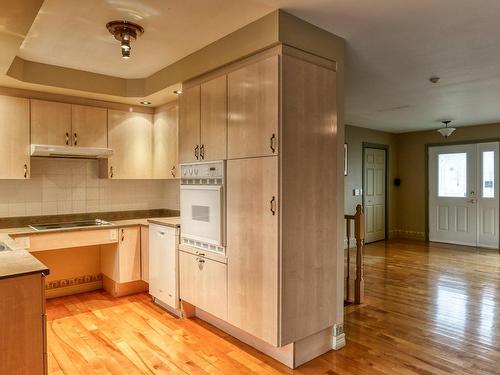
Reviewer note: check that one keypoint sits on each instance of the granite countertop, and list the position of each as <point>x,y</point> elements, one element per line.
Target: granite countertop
<point>18,261</point>
<point>173,221</point>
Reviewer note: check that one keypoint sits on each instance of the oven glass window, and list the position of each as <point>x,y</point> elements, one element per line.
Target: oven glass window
<point>200,213</point>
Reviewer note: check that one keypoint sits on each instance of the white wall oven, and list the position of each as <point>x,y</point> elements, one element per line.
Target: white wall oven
<point>203,206</point>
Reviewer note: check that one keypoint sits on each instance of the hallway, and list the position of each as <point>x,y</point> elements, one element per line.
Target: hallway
<point>430,309</point>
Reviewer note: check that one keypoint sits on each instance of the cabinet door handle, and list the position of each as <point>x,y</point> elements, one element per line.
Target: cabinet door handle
<point>196,151</point>
<point>123,235</point>
<point>200,260</point>
<point>200,254</point>
<point>111,172</point>
<point>202,152</point>
<point>172,171</point>
<point>75,139</point>
<point>67,139</point>
<point>25,170</point>
<point>272,143</point>
<point>273,205</point>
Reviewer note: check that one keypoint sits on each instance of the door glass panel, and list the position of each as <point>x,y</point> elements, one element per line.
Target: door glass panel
<point>488,174</point>
<point>452,175</point>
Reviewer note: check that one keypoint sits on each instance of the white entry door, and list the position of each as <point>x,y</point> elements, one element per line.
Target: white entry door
<point>374,194</point>
<point>463,194</point>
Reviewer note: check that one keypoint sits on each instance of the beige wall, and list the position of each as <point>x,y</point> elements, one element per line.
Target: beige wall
<point>65,186</point>
<point>355,136</point>
<point>412,169</point>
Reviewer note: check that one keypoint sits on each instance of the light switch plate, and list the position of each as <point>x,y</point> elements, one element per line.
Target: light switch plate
<point>113,235</point>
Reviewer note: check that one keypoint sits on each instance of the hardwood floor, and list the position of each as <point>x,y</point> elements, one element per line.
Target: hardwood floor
<point>430,309</point>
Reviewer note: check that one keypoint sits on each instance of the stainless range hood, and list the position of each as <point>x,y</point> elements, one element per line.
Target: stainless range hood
<point>70,152</point>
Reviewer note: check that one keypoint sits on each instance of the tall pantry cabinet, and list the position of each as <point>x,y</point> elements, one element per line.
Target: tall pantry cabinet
<point>280,193</point>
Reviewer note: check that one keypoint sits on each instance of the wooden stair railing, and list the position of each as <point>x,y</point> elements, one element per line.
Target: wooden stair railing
<point>359,234</point>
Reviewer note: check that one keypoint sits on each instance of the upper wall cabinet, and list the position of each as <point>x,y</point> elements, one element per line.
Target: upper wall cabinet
<point>14,137</point>
<point>165,135</point>
<point>253,101</point>
<point>130,135</point>
<point>189,125</point>
<point>203,116</point>
<point>213,115</point>
<point>89,126</point>
<point>50,123</point>
<point>62,124</point>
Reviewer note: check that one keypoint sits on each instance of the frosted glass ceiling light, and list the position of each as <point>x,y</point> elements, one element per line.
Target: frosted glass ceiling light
<point>446,131</point>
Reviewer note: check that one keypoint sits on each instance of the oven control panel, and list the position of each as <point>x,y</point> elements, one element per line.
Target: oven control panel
<point>205,170</point>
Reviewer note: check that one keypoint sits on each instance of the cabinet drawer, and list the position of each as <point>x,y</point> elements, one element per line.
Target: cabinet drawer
<point>203,283</point>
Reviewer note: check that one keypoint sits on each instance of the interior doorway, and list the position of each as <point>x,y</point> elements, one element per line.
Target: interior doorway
<point>375,191</point>
<point>463,194</point>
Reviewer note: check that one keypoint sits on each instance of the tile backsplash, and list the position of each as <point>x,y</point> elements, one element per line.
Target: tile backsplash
<point>65,186</point>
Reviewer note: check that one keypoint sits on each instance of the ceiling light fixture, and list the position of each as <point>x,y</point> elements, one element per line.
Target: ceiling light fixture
<point>125,32</point>
<point>434,79</point>
<point>446,131</point>
<point>178,92</point>
<point>145,102</point>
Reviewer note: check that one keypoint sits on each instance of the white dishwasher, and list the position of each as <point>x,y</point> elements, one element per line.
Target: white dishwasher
<point>164,265</point>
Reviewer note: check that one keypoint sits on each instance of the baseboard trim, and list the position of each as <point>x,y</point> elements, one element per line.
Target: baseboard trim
<point>73,289</point>
<point>407,234</point>
<point>123,289</point>
<point>291,355</point>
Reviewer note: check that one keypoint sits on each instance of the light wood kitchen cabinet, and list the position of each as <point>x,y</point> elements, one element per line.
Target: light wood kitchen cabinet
<point>89,126</point>
<point>253,109</point>
<point>50,123</point>
<point>145,254</point>
<point>130,136</point>
<point>14,138</point>
<point>203,125</point>
<point>203,283</point>
<point>122,262</point>
<point>165,141</point>
<point>23,325</point>
<point>252,246</point>
<point>213,115</point>
<point>189,124</point>
<point>282,182</point>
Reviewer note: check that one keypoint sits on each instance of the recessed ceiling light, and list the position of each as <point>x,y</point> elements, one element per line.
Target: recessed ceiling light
<point>145,102</point>
<point>178,92</point>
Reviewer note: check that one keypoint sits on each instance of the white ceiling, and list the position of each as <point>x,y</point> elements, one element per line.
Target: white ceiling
<point>393,47</point>
<point>73,34</point>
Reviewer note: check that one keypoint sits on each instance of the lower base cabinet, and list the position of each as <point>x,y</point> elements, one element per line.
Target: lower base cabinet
<point>23,338</point>
<point>121,263</point>
<point>203,283</point>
